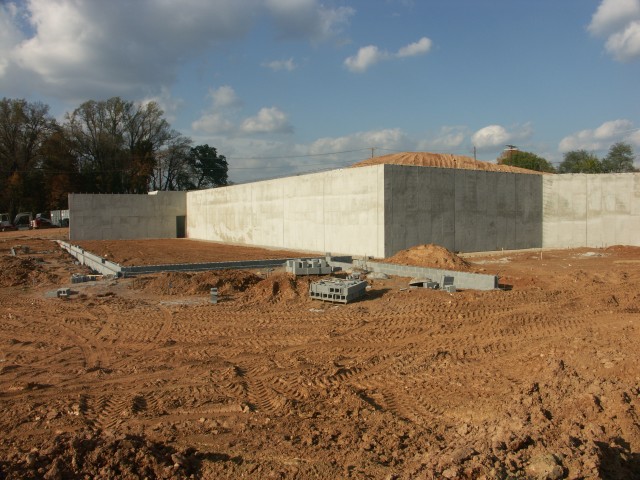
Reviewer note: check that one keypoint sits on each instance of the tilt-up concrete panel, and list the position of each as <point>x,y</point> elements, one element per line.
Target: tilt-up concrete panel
<point>462,210</point>
<point>125,216</point>
<point>340,211</point>
<point>587,210</point>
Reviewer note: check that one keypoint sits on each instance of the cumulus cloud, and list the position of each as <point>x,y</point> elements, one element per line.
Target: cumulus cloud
<point>602,137</point>
<point>447,139</point>
<point>365,58</point>
<point>77,50</point>
<point>370,55</point>
<point>490,137</point>
<point>10,34</point>
<point>217,118</point>
<point>494,137</point>
<point>268,120</point>
<point>85,50</point>
<point>420,47</point>
<point>213,123</point>
<point>224,97</point>
<point>308,19</point>
<point>277,65</point>
<point>390,138</point>
<point>619,22</point>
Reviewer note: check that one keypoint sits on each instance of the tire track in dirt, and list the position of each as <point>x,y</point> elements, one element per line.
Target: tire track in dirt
<point>150,334</point>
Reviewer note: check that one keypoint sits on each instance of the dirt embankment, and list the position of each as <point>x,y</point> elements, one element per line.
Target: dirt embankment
<point>441,160</point>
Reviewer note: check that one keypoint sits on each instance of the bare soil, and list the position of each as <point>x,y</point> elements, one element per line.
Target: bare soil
<point>442,160</point>
<point>432,256</point>
<point>180,250</point>
<point>145,378</point>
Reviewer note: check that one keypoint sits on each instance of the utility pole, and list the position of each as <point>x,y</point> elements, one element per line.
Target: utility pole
<point>372,149</point>
<point>474,153</point>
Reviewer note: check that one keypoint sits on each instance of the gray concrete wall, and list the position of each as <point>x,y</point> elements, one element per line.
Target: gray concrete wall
<point>107,216</point>
<point>462,210</point>
<point>581,210</point>
<point>381,209</point>
<point>340,211</point>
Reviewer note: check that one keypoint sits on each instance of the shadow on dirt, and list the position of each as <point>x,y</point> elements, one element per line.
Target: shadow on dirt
<point>617,461</point>
<point>84,455</point>
<point>374,294</point>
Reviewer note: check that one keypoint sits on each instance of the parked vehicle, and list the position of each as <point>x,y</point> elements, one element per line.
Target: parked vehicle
<point>5,223</point>
<point>41,221</point>
<point>23,221</point>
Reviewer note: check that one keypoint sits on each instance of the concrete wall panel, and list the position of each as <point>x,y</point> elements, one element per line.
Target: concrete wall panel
<point>105,216</point>
<point>339,211</point>
<point>462,210</point>
<point>581,210</point>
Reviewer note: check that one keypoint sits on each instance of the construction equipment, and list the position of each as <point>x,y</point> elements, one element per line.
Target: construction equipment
<point>5,223</point>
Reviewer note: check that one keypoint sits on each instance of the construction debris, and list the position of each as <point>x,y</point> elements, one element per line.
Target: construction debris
<point>308,266</point>
<point>337,290</point>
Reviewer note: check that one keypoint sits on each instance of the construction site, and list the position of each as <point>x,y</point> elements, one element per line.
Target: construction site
<point>416,316</point>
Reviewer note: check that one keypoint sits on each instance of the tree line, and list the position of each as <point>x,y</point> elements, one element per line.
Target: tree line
<point>109,146</point>
<point>619,159</point>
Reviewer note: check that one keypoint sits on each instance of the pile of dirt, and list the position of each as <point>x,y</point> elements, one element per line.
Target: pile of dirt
<point>86,455</point>
<point>19,271</point>
<point>277,288</point>
<point>431,256</point>
<point>440,160</point>
<point>184,283</point>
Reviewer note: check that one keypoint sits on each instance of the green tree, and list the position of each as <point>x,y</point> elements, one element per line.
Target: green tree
<point>60,170</point>
<point>580,161</point>
<point>528,160</point>
<point>172,171</point>
<point>24,127</point>
<point>619,159</point>
<point>116,143</point>
<point>207,167</point>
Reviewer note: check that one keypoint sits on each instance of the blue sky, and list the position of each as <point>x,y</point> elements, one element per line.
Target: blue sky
<point>287,86</point>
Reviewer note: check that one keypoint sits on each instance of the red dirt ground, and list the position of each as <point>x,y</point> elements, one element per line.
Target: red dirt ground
<point>144,378</point>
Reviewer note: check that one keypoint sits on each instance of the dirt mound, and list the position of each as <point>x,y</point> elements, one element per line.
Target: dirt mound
<point>277,288</point>
<point>430,255</point>
<point>16,271</point>
<point>89,456</point>
<point>183,283</point>
<point>440,160</point>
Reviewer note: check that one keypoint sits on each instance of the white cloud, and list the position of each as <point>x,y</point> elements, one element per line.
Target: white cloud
<point>625,45</point>
<point>74,50</point>
<point>308,19</point>
<point>494,137</point>
<point>391,138</point>
<point>370,55</point>
<point>167,103</point>
<point>80,50</point>
<point>213,123</point>
<point>224,97</point>
<point>365,58</point>
<point>10,34</point>
<point>613,15</point>
<point>602,137</point>
<point>490,137</point>
<point>447,139</point>
<point>619,22</point>
<point>217,118</point>
<point>276,65</point>
<point>420,47</point>
<point>268,120</point>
